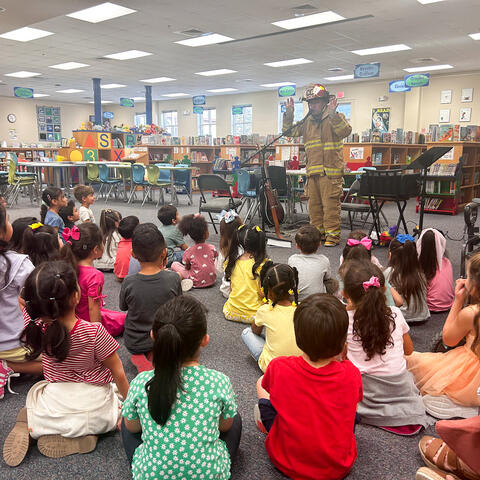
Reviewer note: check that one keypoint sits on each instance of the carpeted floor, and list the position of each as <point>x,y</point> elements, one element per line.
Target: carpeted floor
<point>381,455</point>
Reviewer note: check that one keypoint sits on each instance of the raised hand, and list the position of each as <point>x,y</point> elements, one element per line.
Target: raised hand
<point>290,105</point>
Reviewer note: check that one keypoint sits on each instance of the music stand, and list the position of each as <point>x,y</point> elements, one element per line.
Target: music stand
<point>424,162</point>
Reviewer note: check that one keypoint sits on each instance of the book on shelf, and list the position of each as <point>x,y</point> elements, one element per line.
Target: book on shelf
<point>443,169</point>
<point>377,158</point>
<point>446,133</point>
<point>433,203</point>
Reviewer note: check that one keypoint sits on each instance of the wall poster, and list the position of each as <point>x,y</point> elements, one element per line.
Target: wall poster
<point>381,119</point>
<point>49,124</point>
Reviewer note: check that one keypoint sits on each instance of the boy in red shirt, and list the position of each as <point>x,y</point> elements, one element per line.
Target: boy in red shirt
<point>124,252</point>
<point>308,403</point>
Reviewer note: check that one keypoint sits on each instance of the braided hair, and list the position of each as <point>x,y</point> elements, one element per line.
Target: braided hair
<point>279,279</point>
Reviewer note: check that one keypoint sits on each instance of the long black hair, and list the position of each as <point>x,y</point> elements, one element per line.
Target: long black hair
<point>48,293</point>
<point>41,244</point>
<point>253,241</point>
<point>18,226</point>
<point>108,221</point>
<point>178,329</point>
<point>75,250</point>
<point>49,194</point>
<point>278,279</point>
<point>3,243</point>
<point>428,255</point>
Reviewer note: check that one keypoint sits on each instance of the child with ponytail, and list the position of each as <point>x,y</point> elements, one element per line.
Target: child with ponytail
<point>377,341</point>
<point>53,199</point>
<point>77,400</point>
<point>279,283</point>
<point>83,245</point>
<point>41,243</point>
<point>180,420</point>
<point>405,275</point>
<point>199,260</point>
<point>242,271</point>
<point>109,221</point>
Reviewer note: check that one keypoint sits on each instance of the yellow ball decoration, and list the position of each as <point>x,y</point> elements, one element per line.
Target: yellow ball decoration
<point>76,156</point>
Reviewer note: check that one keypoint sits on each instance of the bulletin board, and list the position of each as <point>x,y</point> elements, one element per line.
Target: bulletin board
<point>49,124</point>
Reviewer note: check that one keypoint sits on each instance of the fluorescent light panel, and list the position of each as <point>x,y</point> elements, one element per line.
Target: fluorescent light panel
<point>386,49</point>
<point>475,36</point>
<point>173,95</point>
<point>425,2</point>
<point>278,84</point>
<point>209,39</point>
<point>40,95</point>
<point>22,74</point>
<point>70,90</point>
<point>309,20</point>
<point>427,68</point>
<point>288,63</point>
<point>221,90</point>
<point>25,34</point>
<point>108,86</point>
<point>100,13</point>
<point>211,73</point>
<point>138,99</point>
<point>128,55</point>
<point>69,66</point>
<point>158,80</point>
<point>103,102</point>
<point>339,77</point>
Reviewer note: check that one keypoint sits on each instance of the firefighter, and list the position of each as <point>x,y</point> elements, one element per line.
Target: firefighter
<point>323,132</point>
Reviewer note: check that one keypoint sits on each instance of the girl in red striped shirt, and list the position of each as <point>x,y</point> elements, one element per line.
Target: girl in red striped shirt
<point>77,400</point>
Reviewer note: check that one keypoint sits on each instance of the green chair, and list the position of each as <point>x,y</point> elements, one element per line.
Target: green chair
<point>154,182</point>
<point>93,175</point>
<point>18,182</point>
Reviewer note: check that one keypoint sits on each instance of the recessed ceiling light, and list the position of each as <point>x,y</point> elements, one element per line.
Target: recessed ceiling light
<point>309,20</point>
<point>287,63</point>
<point>208,39</point>
<point>427,68</point>
<point>25,34</point>
<point>100,13</point>
<point>40,95</point>
<point>176,95</point>
<point>386,49</point>
<point>278,84</point>
<point>424,2</point>
<point>104,102</point>
<point>221,71</point>
<point>475,36</point>
<point>339,77</point>
<point>127,55</point>
<point>22,74</point>
<point>70,90</point>
<point>221,90</point>
<point>138,99</point>
<point>112,85</point>
<point>69,65</point>
<point>158,80</point>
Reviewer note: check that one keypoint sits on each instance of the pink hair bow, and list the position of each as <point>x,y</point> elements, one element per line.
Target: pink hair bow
<point>365,241</point>
<point>73,234</point>
<point>373,282</point>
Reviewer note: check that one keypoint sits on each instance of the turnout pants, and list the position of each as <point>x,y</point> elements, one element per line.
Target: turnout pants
<point>324,194</point>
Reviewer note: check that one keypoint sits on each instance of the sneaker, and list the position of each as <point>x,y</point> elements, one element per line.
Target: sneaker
<point>56,446</point>
<point>6,373</point>
<point>187,284</point>
<point>444,409</point>
<point>331,243</point>
<point>17,442</point>
<point>425,473</point>
<point>258,419</point>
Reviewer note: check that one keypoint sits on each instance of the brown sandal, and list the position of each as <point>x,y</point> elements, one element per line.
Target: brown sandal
<point>17,442</point>
<point>56,446</point>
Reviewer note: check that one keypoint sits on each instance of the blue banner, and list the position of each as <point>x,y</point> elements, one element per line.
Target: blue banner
<point>237,110</point>
<point>127,102</point>
<point>199,100</point>
<point>23,92</point>
<point>287,91</point>
<point>417,80</point>
<point>198,110</point>
<point>398,86</point>
<point>366,70</point>
<point>107,114</point>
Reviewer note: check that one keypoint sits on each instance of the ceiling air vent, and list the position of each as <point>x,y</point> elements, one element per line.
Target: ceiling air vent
<point>192,32</point>
<point>303,9</point>
<point>336,69</point>
<point>425,60</point>
<point>2,9</point>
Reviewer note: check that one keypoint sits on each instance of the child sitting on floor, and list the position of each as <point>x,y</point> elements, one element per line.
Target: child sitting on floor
<point>199,261</point>
<point>431,249</point>
<point>83,245</point>
<point>450,381</point>
<point>359,237</point>
<point>377,341</point>
<point>144,292</point>
<point>77,400</point>
<point>229,223</point>
<point>69,214</point>
<point>18,228</point>
<point>307,403</point>
<point>41,243</point>
<point>53,199</point>
<point>279,284</point>
<point>109,221</point>
<point>122,260</point>
<point>404,273</point>
<point>313,268</point>
<point>86,197</point>
<point>180,420</point>
<point>242,271</point>
<point>170,218</point>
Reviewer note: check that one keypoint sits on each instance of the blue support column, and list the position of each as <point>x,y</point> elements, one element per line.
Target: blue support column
<point>148,104</point>
<point>97,100</point>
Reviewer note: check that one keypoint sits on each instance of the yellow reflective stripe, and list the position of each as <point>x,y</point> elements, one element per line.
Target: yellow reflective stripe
<point>333,147</point>
<point>324,145</point>
<point>331,171</point>
<point>315,169</point>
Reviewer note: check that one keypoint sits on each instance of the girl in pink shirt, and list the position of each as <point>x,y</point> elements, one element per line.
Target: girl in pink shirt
<point>431,249</point>
<point>198,261</point>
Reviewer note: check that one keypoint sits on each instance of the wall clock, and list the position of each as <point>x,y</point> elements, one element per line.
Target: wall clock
<point>11,117</point>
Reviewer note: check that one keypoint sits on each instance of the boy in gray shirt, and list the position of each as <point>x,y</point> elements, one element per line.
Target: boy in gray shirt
<point>314,272</point>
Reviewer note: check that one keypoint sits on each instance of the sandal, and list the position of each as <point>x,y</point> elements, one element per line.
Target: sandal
<point>446,457</point>
<point>56,446</point>
<point>17,442</point>
<point>425,473</point>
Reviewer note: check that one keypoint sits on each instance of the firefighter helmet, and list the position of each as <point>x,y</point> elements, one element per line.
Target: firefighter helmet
<point>314,91</point>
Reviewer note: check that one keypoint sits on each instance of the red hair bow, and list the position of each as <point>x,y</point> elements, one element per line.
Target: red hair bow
<point>73,234</point>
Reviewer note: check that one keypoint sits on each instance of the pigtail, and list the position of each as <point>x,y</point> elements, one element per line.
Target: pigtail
<point>263,275</point>
<point>255,243</point>
<point>40,244</point>
<point>232,255</point>
<point>3,244</point>
<point>295,284</point>
<point>280,281</point>
<point>49,194</point>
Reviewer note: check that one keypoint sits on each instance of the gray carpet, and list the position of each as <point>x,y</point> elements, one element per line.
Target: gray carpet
<point>381,455</point>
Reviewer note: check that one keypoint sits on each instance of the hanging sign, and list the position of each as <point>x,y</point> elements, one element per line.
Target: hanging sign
<point>127,102</point>
<point>23,92</point>
<point>199,100</point>
<point>398,86</point>
<point>198,110</point>
<point>237,110</point>
<point>417,80</point>
<point>366,70</point>
<point>107,114</point>
<point>287,91</point>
